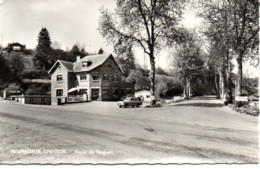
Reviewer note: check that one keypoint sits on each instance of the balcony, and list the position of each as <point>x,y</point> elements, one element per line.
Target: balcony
<point>76,98</point>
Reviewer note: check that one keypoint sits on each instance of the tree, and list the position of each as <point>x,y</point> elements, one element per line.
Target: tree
<point>125,57</point>
<point>239,20</point>
<point>168,86</point>
<point>76,50</point>
<point>140,78</point>
<point>144,24</point>
<point>245,17</point>
<point>5,74</point>
<point>188,61</point>
<point>16,65</point>
<point>43,50</point>
<point>101,51</point>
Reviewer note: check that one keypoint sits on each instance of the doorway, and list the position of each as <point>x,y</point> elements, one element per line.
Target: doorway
<point>94,94</point>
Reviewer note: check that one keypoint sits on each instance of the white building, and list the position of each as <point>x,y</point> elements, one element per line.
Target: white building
<point>145,95</point>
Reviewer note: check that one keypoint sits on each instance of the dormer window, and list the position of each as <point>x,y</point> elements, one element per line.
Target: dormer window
<point>86,63</point>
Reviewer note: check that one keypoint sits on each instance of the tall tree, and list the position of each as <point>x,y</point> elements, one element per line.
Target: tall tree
<point>43,50</point>
<point>143,23</point>
<point>245,20</point>
<point>237,29</point>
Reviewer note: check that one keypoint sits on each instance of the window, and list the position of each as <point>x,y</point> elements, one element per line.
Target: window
<point>115,91</point>
<point>84,64</point>
<point>105,77</point>
<point>83,77</point>
<point>105,92</point>
<point>128,91</point>
<point>59,92</point>
<point>115,78</point>
<point>42,100</point>
<point>59,78</point>
<point>95,76</point>
<point>109,64</point>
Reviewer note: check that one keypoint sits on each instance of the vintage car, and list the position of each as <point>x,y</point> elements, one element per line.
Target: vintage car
<point>130,101</point>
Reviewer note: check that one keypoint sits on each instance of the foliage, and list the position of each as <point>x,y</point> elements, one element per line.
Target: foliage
<point>188,61</point>
<point>161,71</point>
<point>37,89</point>
<point>42,59</point>
<point>142,24</point>
<point>125,58</point>
<point>140,78</point>
<point>167,86</point>
<point>5,73</point>
<point>76,50</point>
<point>234,23</point>
<point>101,51</point>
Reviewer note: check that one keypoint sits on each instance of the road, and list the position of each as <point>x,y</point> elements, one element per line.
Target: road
<point>200,130</point>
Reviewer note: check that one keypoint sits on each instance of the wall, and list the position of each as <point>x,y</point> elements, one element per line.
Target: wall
<point>107,84</point>
<point>59,85</point>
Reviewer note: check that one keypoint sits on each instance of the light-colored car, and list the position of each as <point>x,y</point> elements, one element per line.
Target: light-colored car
<point>130,101</point>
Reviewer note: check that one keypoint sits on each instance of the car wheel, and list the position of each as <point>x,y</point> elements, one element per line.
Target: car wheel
<point>120,106</point>
<point>138,105</point>
<point>133,106</point>
<point>125,106</point>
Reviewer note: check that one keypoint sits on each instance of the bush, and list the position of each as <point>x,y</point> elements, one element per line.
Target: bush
<point>240,103</point>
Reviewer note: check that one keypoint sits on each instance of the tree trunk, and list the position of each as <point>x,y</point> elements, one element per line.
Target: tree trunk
<point>187,88</point>
<point>221,84</point>
<point>217,86</point>
<point>152,77</point>
<point>239,76</point>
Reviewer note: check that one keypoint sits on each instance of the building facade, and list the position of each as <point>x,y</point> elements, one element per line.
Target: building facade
<point>94,77</point>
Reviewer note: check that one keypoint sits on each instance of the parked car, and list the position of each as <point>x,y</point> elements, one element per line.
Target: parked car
<point>130,101</point>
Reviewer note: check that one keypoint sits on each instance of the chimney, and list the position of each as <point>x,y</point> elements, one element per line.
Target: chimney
<point>78,58</point>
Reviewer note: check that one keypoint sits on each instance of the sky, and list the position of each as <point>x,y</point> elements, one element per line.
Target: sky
<point>69,22</point>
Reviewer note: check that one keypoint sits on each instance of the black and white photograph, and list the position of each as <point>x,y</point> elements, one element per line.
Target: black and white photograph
<point>132,82</point>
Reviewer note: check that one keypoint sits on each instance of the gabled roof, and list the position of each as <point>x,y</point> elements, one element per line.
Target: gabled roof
<point>96,61</point>
<point>67,65</point>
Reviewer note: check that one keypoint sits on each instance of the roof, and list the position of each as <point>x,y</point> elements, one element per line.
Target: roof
<point>67,65</point>
<point>96,61</point>
<point>142,91</point>
<point>46,81</point>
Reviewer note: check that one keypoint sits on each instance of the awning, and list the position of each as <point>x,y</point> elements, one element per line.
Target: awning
<point>73,89</point>
<point>76,88</point>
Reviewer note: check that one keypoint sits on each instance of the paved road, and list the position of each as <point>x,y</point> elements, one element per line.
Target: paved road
<point>200,130</point>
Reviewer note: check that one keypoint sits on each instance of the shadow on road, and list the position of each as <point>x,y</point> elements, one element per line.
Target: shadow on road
<point>202,104</point>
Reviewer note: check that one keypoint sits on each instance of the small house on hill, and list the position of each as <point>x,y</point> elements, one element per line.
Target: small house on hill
<point>15,47</point>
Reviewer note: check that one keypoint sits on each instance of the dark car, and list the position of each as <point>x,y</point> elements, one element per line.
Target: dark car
<point>130,101</point>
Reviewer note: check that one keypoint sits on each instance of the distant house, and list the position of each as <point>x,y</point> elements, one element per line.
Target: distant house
<point>15,47</point>
<point>93,77</point>
<point>32,99</point>
<point>145,95</point>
